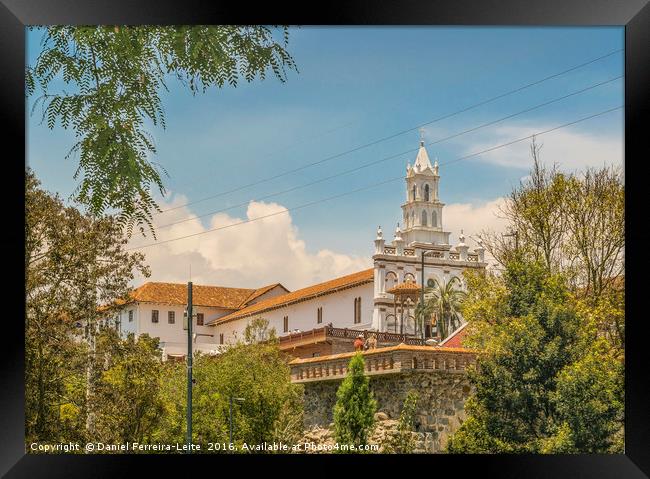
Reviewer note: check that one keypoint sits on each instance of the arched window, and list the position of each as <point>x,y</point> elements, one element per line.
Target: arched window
<point>426,192</point>
<point>412,218</point>
<point>424,218</point>
<point>409,277</point>
<point>434,219</point>
<point>357,310</point>
<point>391,280</point>
<point>413,193</point>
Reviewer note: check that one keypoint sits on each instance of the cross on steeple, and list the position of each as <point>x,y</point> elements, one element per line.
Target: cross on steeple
<point>421,136</point>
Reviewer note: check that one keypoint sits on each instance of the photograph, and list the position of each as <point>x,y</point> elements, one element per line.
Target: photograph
<point>322,239</point>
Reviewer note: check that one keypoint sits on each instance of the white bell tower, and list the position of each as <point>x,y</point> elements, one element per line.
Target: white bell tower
<point>422,212</point>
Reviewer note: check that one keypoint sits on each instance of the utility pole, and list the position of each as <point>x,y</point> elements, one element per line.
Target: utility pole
<point>421,320</point>
<point>189,367</point>
<point>239,400</point>
<point>230,425</point>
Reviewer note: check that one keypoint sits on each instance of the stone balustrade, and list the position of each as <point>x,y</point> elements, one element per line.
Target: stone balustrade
<point>473,257</point>
<point>389,360</point>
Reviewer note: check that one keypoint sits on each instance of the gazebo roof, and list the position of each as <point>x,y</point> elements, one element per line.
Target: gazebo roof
<point>408,287</point>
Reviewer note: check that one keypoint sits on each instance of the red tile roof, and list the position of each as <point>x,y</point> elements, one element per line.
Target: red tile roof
<point>260,291</point>
<point>407,287</point>
<point>456,338</point>
<point>299,295</point>
<point>176,293</point>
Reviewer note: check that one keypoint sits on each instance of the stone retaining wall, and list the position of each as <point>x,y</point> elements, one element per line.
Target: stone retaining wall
<point>440,409</point>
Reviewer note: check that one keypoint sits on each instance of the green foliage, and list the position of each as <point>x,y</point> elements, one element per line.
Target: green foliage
<point>590,399</point>
<point>573,224</point>
<point>116,75</point>
<point>258,373</point>
<point>404,441</point>
<point>444,301</point>
<point>545,382</point>
<point>124,403</point>
<point>73,264</point>
<point>257,331</point>
<point>354,411</point>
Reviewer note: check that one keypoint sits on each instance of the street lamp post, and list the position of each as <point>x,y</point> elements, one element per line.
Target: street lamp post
<point>424,253</point>
<point>189,367</point>
<point>230,414</point>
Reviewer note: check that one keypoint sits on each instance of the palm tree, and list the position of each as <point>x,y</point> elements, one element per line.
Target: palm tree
<point>444,302</point>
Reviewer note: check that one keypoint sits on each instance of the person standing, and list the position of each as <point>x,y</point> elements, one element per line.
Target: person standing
<point>358,343</point>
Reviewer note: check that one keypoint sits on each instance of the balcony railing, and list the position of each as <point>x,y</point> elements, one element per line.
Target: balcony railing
<point>321,334</point>
<point>390,360</point>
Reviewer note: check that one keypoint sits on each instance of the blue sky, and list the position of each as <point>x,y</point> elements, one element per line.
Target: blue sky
<point>356,85</point>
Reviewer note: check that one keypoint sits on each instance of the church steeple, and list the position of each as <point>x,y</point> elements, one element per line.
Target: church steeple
<point>422,212</point>
<point>422,163</point>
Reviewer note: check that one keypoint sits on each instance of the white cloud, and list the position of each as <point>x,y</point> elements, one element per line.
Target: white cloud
<point>571,150</point>
<point>250,255</point>
<point>473,219</point>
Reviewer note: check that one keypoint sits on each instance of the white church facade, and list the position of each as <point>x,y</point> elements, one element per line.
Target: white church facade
<point>359,301</point>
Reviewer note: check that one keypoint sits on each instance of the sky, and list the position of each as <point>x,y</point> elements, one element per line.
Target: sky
<point>356,85</point>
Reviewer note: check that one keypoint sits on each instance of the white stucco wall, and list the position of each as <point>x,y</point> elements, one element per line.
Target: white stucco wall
<point>173,337</point>
<point>338,309</point>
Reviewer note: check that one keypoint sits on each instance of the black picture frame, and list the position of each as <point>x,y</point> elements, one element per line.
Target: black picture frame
<point>634,14</point>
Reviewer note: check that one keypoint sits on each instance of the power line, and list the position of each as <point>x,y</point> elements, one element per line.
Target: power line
<point>394,135</point>
<point>375,162</point>
<point>305,205</point>
<point>530,136</point>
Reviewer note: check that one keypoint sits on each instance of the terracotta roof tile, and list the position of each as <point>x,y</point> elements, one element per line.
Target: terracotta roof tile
<point>456,338</point>
<point>407,287</point>
<point>327,287</point>
<point>370,352</point>
<point>259,292</point>
<point>176,293</point>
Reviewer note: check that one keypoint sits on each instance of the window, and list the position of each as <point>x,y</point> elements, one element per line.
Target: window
<point>357,310</point>
<point>171,317</point>
<point>154,315</point>
<point>199,319</point>
<point>434,219</point>
<point>426,192</point>
<point>424,218</point>
<point>319,315</point>
<point>130,316</point>
<point>391,280</point>
<point>413,193</point>
<point>221,338</point>
<point>286,324</point>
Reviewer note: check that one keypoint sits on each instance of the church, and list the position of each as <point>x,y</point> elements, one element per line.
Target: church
<point>308,321</point>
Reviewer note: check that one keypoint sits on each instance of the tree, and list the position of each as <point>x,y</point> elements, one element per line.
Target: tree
<point>125,385</point>
<point>74,263</point>
<point>574,224</point>
<point>354,411</point>
<point>258,373</point>
<point>544,381</point>
<point>595,207</point>
<point>257,331</point>
<point>444,301</point>
<point>404,441</point>
<point>115,76</point>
